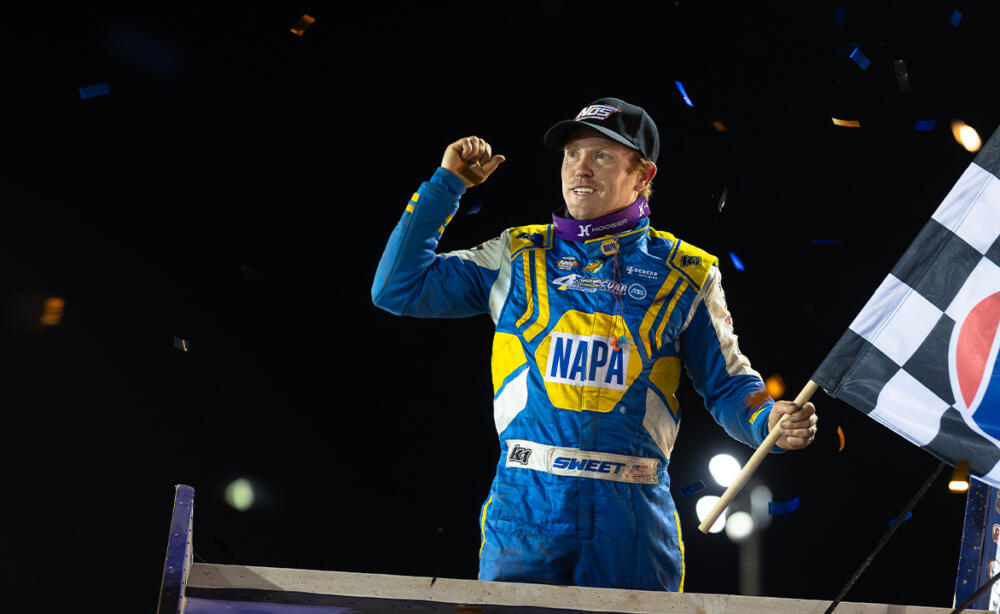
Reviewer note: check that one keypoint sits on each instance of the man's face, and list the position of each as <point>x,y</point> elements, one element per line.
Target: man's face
<point>596,179</point>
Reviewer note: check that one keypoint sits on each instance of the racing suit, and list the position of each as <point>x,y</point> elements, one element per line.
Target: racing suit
<point>590,339</point>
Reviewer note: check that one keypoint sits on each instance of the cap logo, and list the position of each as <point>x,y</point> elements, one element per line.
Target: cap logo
<point>597,111</point>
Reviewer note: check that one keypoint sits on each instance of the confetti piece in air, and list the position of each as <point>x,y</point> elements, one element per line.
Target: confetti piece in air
<point>902,75</point>
<point>956,17</point>
<point>860,59</point>
<point>736,261</point>
<point>182,344</point>
<point>847,49</point>
<point>474,208</point>
<point>92,91</point>
<point>300,26</point>
<point>827,242</point>
<point>722,199</point>
<point>905,518</point>
<point>776,508</point>
<point>966,136</point>
<point>775,386</point>
<point>684,94</point>
<point>691,489</point>
<point>846,123</point>
<point>843,440</point>
<point>923,125</point>
<point>840,15</point>
<point>721,127</point>
<point>53,311</point>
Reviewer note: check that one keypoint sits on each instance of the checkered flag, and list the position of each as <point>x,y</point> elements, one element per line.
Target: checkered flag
<point>921,357</point>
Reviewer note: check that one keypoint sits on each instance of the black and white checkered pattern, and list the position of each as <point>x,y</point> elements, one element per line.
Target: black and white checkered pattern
<point>895,362</point>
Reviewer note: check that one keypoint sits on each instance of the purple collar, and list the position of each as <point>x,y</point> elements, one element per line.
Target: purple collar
<point>584,230</point>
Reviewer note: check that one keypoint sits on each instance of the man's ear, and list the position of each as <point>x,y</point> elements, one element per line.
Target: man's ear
<point>646,174</point>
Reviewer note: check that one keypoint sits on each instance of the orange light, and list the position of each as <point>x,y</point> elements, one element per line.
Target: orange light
<point>721,127</point>
<point>960,477</point>
<point>300,26</point>
<point>775,386</point>
<point>846,123</point>
<point>966,135</point>
<point>53,311</point>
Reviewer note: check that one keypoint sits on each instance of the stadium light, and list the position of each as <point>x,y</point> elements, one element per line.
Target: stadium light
<point>960,477</point>
<point>239,494</point>
<point>704,506</point>
<point>739,526</point>
<point>724,468</point>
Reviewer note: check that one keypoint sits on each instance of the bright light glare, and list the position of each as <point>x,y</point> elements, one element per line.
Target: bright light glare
<point>704,507</point>
<point>739,526</point>
<point>724,468</point>
<point>239,494</point>
<point>958,485</point>
<point>760,497</point>
<point>966,135</point>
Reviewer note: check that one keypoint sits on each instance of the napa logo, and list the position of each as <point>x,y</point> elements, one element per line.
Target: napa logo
<point>580,360</point>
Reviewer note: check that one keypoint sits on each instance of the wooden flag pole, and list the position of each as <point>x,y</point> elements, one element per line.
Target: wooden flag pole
<point>755,460</point>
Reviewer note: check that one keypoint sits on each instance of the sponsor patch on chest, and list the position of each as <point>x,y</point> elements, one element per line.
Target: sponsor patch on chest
<point>580,360</point>
<point>590,285</point>
<point>634,271</point>
<point>567,263</point>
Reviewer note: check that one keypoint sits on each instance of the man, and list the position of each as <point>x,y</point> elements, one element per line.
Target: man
<point>595,314</point>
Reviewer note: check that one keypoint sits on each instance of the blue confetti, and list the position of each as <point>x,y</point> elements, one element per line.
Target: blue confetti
<point>736,261</point>
<point>840,15</point>
<point>848,48</point>
<point>776,508</point>
<point>860,59</point>
<point>923,124</point>
<point>907,517</point>
<point>828,241</point>
<point>691,489</point>
<point>474,208</point>
<point>956,17</point>
<point>101,89</point>
<point>684,94</point>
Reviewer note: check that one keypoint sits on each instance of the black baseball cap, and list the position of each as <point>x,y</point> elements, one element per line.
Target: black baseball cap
<point>616,119</point>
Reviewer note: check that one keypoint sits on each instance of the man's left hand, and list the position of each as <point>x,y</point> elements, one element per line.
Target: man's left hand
<point>799,430</point>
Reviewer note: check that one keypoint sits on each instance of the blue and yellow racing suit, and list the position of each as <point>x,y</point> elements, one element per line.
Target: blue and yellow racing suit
<point>590,339</point>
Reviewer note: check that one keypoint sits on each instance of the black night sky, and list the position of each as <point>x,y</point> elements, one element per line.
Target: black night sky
<point>236,187</point>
